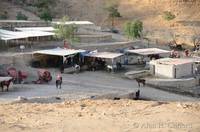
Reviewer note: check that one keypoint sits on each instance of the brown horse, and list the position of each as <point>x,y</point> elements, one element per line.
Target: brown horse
<point>5,83</point>
<point>139,81</point>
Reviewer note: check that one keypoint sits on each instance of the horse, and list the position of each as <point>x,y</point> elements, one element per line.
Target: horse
<point>59,82</point>
<point>139,81</point>
<point>6,83</point>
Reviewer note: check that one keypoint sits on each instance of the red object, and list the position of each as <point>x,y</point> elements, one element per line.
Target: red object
<point>22,75</point>
<point>44,76</point>
<point>187,53</point>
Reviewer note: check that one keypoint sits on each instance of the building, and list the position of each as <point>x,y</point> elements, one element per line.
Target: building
<point>145,55</point>
<point>173,67</point>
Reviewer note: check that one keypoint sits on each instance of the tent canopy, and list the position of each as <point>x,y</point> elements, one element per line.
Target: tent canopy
<point>148,51</point>
<point>58,52</point>
<point>105,55</point>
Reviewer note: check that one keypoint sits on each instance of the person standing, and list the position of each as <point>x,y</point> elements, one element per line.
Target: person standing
<point>59,81</point>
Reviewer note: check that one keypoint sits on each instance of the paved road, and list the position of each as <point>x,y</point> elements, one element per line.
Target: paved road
<point>87,84</point>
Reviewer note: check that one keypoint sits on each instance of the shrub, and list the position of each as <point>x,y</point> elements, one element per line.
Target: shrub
<point>21,16</point>
<point>45,15</point>
<point>4,15</point>
<point>167,15</point>
<point>133,29</point>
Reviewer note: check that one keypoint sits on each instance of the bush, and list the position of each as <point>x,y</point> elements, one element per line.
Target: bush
<point>4,16</point>
<point>167,15</point>
<point>133,29</point>
<point>21,16</point>
<point>46,15</point>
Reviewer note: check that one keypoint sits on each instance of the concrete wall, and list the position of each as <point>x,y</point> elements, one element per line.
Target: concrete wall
<point>16,59</point>
<point>94,38</point>
<point>184,70</point>
<point>173,83</point>
<point>172,71</point>
<point>164,71</point>
<point>6,60</point>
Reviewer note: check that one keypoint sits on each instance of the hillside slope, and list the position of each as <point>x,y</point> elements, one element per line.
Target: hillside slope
<point>185,25</point>
<point>12,10</point>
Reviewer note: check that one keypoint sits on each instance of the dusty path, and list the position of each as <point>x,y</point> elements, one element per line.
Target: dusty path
<point>86,84</point>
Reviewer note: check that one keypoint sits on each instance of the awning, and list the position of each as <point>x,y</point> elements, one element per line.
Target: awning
<point>59,52</point>
<point>148,51</point>
<point>105,55</point>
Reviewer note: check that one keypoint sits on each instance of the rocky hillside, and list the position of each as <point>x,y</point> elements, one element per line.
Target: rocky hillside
<point>182,28</point>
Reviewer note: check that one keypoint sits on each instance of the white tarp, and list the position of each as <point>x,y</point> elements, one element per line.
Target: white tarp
<point>76,23</point>
<point>10,35</point>
<point>59,52</point>
<point>148,51</point>
<point>44,29</point>
<point>105,55</point>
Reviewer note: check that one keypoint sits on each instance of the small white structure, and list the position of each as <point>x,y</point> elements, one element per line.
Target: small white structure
<point>173,67</point>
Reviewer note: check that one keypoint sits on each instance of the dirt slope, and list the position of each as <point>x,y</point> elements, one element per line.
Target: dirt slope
<point>101,115</point>
<point>14,9</point>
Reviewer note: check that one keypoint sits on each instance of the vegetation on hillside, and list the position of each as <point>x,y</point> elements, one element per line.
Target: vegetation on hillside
<point>21,16</point>
<point>167,15</point>
<point>4,15</point>
<point>42,8</point>
<point>66,32</point>
<point>133,29</point>
<point>113,12</point>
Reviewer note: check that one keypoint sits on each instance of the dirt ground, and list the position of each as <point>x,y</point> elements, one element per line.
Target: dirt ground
<point>101,116</point>
<point>87,84</point>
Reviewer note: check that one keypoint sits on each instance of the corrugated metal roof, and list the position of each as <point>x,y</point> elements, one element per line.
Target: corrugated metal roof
<point>148,51</point>
<point>11,35</point>
<point>45,29</point>
<point>106,55</point>
<point>59,52</point>
<point>75,22</point>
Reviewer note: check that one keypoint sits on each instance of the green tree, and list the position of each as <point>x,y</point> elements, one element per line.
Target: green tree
<point>21,16</point>
<point>45,15</point>
<point>113,13</point>
<point>45,9</point>
<point>66,32</point>
<point>133,29</point>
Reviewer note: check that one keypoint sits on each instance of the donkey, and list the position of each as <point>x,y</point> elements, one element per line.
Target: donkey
<point>139,81</point>
<point>6,83</point>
